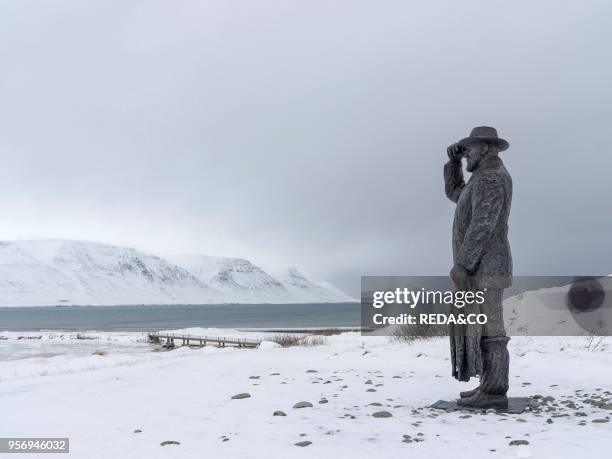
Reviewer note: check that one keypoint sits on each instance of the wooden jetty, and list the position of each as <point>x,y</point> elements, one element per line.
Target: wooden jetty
<point>170,340</point>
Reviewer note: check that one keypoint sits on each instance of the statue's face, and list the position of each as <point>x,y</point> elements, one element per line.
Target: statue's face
<point>475,153</point>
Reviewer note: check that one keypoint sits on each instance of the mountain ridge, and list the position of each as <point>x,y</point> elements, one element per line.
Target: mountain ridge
<point>69,272</point>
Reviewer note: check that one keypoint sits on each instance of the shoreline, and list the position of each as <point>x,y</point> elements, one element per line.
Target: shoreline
<point>159,317</point>
<point>132,305</point>
<point>341,329</point>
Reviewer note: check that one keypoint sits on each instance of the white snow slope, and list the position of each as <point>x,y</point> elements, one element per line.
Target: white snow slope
<point>121,405</point>
<point>63,272</point>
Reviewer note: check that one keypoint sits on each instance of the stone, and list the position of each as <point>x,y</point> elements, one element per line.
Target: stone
<point>303,443</point>
<point>241,396</point>
<point>595,403</point>
<point>518,442</point>
<point>303,405</point>
<point>169,442</point>
<point>600,421</point>
<point>279,413</point>
<point>137,431</point>
<point>382,414</point>
<point>323,401</point>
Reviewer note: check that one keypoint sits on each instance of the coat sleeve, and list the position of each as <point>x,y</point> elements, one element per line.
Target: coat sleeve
<point>453,180</point>
<point>487,204</point>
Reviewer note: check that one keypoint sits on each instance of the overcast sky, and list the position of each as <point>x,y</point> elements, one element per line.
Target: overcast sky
<point>306,133</point>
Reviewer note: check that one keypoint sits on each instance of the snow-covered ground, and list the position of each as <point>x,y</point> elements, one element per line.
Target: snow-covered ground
<point>126,402</point>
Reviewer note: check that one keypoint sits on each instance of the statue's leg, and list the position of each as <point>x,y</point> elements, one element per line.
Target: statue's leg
<point>495,377</point>
<point>492,307</point>
<point>496,361</point>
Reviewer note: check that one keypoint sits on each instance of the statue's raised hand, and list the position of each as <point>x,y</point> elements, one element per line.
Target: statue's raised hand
<point>455,152</point>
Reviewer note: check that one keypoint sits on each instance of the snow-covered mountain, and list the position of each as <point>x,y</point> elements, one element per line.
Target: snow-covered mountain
<point>71,272</point>
<point>247,283</point>
<point>296,283</point>
<point>52,272</point>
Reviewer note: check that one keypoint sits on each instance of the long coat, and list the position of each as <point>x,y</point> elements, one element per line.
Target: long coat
<point>480,227</point>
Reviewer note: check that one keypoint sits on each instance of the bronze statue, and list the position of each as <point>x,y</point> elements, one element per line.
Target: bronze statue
<point>482,261</point>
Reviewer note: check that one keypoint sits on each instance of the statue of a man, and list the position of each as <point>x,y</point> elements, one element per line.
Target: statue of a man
<point>482,261</point>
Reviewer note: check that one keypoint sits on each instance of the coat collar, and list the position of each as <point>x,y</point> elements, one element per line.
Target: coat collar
<point>490,162</point>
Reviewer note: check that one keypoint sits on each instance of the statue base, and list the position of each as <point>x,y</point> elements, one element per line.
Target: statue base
<point>516,405</point>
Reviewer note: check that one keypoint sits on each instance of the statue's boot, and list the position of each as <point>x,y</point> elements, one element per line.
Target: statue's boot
<point>469,393</point>
<point>494,379</point>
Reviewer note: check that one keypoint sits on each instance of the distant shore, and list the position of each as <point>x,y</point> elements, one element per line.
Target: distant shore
<point>163,317</point>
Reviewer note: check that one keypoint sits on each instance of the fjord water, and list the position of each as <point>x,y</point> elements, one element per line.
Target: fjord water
<point>162,317</point>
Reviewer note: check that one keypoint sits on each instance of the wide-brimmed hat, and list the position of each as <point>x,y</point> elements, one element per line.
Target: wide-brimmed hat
<point>485,134</point>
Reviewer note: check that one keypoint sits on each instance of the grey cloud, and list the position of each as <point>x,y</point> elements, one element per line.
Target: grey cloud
<point>304,133</point>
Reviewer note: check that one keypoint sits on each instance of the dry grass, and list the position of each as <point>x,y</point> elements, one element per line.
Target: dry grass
<point>595,343</point>
<point>309,341</point>
<point>411,333</point>
<point>80,336</point>
<point>289,340</point>
<point>327,332</point>
<point>98,353</point>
